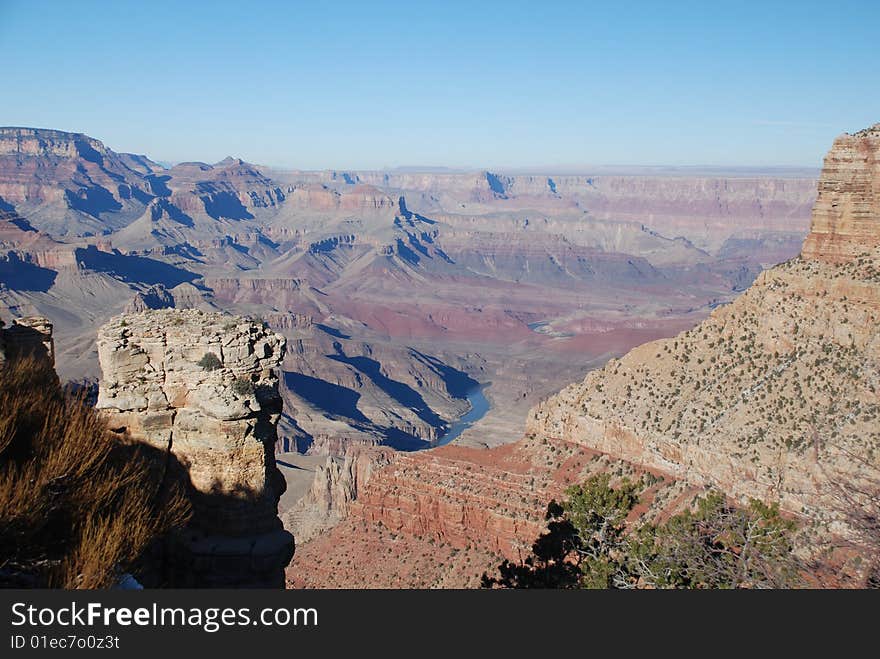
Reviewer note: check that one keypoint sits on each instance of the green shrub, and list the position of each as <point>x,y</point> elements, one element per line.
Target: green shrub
<point>243,386</point>
<point>210,362</point>
<point>589,543</point>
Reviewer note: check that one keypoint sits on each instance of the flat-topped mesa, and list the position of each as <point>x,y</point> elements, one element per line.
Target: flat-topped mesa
<point>204,386</point>
<point>15,140</point>
<point>846,216</point>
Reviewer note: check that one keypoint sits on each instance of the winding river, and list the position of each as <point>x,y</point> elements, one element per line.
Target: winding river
<point>479,406</point>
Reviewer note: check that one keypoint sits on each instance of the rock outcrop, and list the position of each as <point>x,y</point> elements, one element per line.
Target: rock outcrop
<point>336,485</point>
<point>182,296</point>
<point>846,217</point>
<point>204,386</point>
<point>30,336</point>
<point>154,298</point>
<point>775,395</point>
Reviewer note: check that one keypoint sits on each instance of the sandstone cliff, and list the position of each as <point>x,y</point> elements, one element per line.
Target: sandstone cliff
<point>846,217</point>
<point>204,386</point>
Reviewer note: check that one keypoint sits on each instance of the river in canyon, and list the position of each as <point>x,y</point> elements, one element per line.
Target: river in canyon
<point>479,407</point>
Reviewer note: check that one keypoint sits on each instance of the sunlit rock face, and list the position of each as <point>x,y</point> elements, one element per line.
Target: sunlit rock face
<point>846,217</point>
<point>204,386</point>
<point>774,395</point>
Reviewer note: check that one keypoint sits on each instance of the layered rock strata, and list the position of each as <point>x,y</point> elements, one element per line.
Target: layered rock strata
<point>846,217</point>
<point>774,396</point>
<point>441,518</point>
<point>204,387</point>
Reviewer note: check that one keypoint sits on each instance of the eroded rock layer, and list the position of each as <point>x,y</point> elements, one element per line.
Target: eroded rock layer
<point>846,217</point>
<point>440,518</point>
<point>491,273</point>
<point>204,386</point>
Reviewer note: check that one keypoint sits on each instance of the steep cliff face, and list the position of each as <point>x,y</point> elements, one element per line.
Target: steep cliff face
<point>25,252</point>
<point>441,518</point>
<point>846,217</point>
<point>335,486</point>
<point>17,141</point>
<point>69,183</point>
<point>204,386</point>
<point>775,395</point>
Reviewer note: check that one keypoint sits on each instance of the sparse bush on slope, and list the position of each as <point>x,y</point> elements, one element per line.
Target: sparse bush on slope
<point>210,362</point>
<point>78,505</point>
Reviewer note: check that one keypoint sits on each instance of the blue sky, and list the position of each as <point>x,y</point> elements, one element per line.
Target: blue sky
<point>472,84</point>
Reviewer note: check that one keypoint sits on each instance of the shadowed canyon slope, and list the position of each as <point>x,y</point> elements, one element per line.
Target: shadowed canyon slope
<point>396,290</point>
<point>774,395</point>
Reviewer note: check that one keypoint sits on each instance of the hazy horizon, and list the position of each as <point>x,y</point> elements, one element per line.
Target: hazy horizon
<point>550,169</point>
<point>501,86</point>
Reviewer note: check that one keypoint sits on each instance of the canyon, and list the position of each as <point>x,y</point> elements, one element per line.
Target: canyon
<point>396,294</point>
<point>394,289</point>
<point>772,396</point>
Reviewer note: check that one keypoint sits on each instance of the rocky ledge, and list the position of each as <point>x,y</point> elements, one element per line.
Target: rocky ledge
<point>204,387</point>
<point>27,337</point>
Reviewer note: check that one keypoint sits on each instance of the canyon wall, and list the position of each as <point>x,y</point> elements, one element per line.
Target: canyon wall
<point>774,395</point>
<point>69,183</point>
<point>706,207</point>
<point>440,518</point>
<point>204,386</point>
